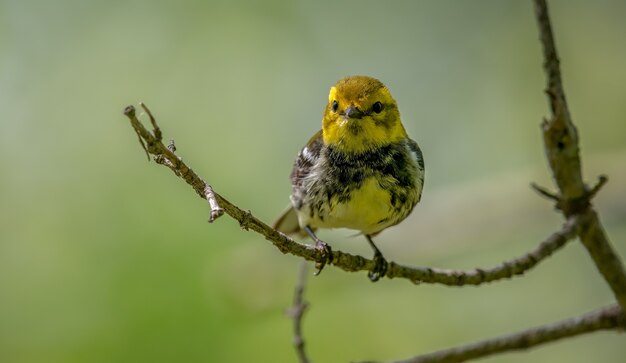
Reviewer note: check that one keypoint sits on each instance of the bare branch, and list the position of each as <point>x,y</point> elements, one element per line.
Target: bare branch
<point>296,312</point>
<point>561,146</point>
<point>156,131</point>
<point>130,113</point>
<point>602,179</point>
<point>608,318</point>
<point>507,269</point>
<point>345,261</point>
<point>545,192</point>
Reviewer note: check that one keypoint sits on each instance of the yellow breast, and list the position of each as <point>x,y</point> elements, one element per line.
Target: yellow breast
<point>368,210</point>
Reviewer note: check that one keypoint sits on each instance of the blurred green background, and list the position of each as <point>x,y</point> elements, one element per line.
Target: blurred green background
<point>107,258</point>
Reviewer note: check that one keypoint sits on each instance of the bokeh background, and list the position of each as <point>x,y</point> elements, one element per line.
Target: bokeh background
<point>105,257</point>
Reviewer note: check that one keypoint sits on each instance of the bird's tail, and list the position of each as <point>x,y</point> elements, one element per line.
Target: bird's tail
<point>288,222</point>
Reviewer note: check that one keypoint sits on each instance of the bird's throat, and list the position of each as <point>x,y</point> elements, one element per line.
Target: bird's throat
<point>360,135</point>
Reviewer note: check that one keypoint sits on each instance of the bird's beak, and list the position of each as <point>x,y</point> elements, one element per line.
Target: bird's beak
<point>353,112</point>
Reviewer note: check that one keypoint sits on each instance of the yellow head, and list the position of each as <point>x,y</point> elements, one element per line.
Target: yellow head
<point>361,115</point>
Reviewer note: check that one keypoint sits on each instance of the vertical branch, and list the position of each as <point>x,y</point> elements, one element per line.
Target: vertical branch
<point>561,145</point>
<point>297,311</point>
<point>560,134</point>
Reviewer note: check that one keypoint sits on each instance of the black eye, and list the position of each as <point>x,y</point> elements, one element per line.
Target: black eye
<point>377,107</point>
<point>335,106</point>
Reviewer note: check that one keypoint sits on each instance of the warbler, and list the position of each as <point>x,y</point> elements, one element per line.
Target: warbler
<point>361,171</point>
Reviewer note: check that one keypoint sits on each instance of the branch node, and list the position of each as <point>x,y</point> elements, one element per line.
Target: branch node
<point>481,273</point>
<point>161,159</point>
<point>209,195</point>
<point>245,221</point>
<point>171,146</point>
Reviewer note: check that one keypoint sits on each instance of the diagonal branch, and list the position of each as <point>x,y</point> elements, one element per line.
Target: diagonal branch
<point>562,151</point>
<point>608,318</point>
<point>165,155</point>
<point>507,269</point>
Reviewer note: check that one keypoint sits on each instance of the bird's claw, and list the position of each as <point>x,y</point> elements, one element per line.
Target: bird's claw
<point>380,267</point>
<point>327,255</point>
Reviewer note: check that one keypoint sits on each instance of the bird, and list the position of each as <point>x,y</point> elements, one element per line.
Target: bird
<point>361,171</point>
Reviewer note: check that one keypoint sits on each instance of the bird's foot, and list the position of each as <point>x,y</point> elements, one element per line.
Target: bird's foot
<point>327,255</point>
<point>380,267</point>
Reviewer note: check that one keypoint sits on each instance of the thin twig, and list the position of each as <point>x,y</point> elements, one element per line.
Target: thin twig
<point>563,204</point>
<point>155,128</point>
<point>296,312</point>
<point>561,145</point>
<point>346,261</point>
<point>129,111</point>
<point>608,318</point>
<point>545,192</point>
<point>602,179</point>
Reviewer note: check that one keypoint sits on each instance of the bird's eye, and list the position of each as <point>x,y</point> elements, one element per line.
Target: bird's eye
<point>377,107</point>
<point>335,106</point>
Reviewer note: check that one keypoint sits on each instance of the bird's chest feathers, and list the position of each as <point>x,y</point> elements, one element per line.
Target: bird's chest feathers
<point>362,208</point>
<point>354,193</point>
<point>367,192</point>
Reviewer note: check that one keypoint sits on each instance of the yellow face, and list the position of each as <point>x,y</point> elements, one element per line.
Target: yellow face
<point>361,115</point>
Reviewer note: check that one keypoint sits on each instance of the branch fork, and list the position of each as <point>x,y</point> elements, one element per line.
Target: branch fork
<point>576,205</point>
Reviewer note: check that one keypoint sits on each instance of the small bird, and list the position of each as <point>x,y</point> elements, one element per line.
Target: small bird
<point>361,171</point>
